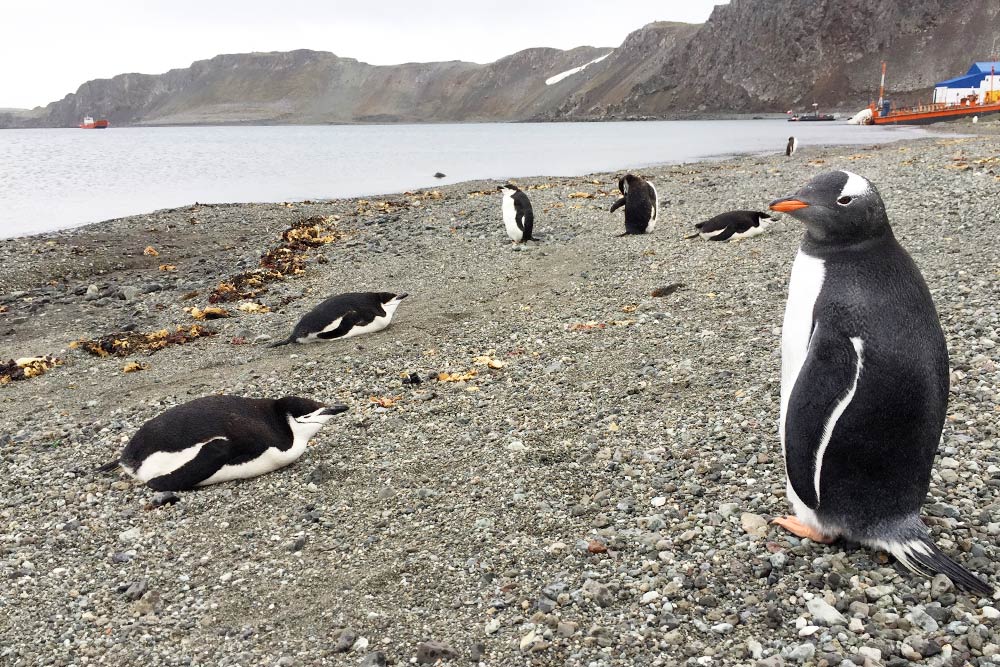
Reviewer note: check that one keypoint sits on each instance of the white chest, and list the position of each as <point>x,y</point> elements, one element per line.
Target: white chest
<point>271,459</point>
<point>803,289</point>
<point>510,218</point>
<point>656,210</point>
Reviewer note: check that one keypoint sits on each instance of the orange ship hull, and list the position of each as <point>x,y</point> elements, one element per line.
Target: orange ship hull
<point>96,125</point>
<point>932,113</point>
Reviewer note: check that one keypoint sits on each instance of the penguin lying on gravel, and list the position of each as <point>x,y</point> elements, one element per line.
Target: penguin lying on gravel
<point>518,218</point>
<point>345,316</point>
<point>732,225</point>
<point>220,438</point>
<point>640,202</point>
<point>864,380</point>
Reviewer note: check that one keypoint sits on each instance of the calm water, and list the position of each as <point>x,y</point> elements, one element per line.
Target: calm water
<point>56,178</point>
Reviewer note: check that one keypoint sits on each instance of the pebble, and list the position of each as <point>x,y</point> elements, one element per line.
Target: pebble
<point>823,612</point>
<point>753,524</point>
<point>432,651</point>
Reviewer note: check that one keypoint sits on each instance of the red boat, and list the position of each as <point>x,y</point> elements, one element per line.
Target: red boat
<point>91,124</point>
<point>977,93</point>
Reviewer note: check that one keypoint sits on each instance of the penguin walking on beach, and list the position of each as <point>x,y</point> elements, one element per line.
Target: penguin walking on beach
<point>221,438</point>
<point>518,218</point>
<point>864,380</point>
<point>790,147</point>
<point>345,316</point>
<point>732,225</point>
<point>640,202</point>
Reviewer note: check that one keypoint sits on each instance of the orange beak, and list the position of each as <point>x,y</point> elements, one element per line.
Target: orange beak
<point>787,205</point>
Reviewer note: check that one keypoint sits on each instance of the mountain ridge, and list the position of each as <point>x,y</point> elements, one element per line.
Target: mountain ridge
<point>750,56</point>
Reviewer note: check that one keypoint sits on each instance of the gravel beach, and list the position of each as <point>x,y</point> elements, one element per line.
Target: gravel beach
<point>596,491</point>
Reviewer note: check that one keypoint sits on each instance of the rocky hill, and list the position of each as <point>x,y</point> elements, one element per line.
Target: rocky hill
<point>750,56</point>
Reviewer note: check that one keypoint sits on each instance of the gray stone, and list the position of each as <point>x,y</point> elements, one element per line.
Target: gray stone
<point>376,659</point>
<point>823,612</point>
<point>802,652</point>
<point>345,641</point>
<point>136,590</point>
<point>431,651</point>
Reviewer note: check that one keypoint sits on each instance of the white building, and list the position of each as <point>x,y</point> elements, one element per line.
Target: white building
<point>982,80</point>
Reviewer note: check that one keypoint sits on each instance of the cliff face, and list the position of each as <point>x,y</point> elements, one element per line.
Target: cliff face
<point>750,56</point>
<point>769,55</point>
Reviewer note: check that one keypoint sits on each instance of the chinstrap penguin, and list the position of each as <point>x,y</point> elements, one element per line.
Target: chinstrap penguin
<point>345,316</point>
<point>518,218</point>
<point>221,438</point>
<point>640,202</point>
<point>864,379</point>
<point>732,225</point>
<point>791,146</point>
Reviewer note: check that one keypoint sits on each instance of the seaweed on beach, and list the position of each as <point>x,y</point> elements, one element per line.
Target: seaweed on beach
<point>124,343</point>
<point>26,368</point>
<point>287,259</point>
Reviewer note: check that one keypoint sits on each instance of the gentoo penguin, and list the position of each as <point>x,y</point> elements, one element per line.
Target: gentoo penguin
<point>345,316</point>
<point>864,379</point>
<point>640,202</point>
<point>790,147</point>
<point>518,217</point>
<point>220,438</point>
<point>732,225</point>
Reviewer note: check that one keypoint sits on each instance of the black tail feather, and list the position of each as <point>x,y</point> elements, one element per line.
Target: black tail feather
<point>920,555</point>
<point>109,466</point>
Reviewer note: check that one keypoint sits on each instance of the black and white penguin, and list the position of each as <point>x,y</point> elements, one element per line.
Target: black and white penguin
<point>221,438</point>
<point>640,202</point>
<point>518,217</point>
<point>864,379</point>
<point>732,225</point>
<point>793,143</point>
<point>345,316</point>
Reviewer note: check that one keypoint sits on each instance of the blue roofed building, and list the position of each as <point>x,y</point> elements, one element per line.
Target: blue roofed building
<point>982,80</point>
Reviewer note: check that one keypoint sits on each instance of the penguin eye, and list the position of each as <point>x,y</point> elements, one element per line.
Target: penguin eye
<point>844,201</point>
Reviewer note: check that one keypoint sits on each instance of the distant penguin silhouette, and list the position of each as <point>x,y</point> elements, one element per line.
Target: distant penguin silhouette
<point>221,438</point>
<point>791,146</point>
<point>518,218</point>
<point>345,316</point>
<point>864,380</point>
<point>732,225</point>
<point>641,204</point>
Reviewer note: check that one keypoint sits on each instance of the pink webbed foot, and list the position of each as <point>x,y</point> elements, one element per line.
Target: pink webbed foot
<point>796,527</point>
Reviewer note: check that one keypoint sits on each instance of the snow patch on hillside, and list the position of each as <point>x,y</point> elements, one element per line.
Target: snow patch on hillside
<point>570,72</point>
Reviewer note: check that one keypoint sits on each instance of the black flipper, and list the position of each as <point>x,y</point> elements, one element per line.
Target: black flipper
<point>290,339</point>
<point>212,456</point>
<point>618,204</point>
<point>350,320</point>
<point>524,217</point>
<point>826,378</point>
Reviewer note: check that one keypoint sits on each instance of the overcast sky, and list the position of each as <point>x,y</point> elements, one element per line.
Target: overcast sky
<point>49,47</point>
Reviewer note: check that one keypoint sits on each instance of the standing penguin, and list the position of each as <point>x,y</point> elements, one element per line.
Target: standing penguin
<point>220,438</point>
<point>345,316</point>
<point>518,217</point>
<point>790,147</point>
<point>640,202</point>
<point>864,379</point>
<point>732,225</point>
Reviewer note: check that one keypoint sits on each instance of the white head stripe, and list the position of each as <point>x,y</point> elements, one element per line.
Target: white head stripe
<point>856,186</point>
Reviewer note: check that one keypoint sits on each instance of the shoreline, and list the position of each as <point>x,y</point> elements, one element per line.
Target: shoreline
<point>930,132</point>
<point>601,497</point>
